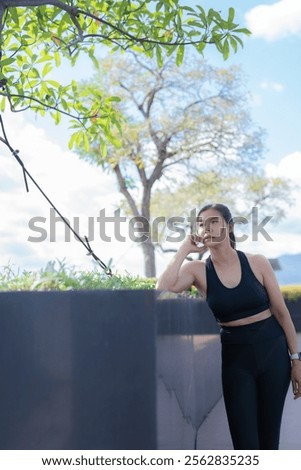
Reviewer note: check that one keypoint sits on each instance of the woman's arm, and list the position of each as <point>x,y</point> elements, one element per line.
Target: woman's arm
<point>176,277</point>
<point>280,311</point>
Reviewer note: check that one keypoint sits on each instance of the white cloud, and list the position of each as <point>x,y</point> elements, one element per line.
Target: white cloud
<point>271,22</point>
<point>288,167</point>
<point>266,85</point>
<point>287,235</point>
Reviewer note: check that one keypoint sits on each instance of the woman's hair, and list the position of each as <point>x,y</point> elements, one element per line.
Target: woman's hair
<point>227,216</point>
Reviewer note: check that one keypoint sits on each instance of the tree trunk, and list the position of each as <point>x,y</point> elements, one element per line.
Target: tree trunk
<point>149,259</point>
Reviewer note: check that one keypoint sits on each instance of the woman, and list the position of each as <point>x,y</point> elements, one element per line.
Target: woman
<point>259,342</point>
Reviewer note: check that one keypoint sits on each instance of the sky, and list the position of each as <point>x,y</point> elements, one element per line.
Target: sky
<point>30,235</point>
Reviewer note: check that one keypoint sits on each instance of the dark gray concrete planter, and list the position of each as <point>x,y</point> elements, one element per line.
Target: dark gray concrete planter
<point>77,370</point>
<point>295,311</point>
<point>106,370</point>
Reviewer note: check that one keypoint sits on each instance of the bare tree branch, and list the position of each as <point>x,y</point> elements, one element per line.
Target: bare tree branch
<point>124,190</point>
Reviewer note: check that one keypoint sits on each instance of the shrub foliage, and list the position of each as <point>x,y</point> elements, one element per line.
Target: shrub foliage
<point>57,275</point>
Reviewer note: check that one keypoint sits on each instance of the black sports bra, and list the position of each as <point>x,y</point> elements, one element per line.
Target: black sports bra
<point>248,298</point>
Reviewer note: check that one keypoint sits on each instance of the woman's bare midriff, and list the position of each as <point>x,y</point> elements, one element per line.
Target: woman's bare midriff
<point>248,320</point>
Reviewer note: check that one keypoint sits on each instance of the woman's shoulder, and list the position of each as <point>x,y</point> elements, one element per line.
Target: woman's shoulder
<point>257,259</point>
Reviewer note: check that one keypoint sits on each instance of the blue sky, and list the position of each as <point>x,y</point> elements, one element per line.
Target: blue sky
<point>271,63</point>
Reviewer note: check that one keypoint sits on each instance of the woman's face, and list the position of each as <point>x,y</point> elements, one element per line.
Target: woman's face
<point>212,227</point>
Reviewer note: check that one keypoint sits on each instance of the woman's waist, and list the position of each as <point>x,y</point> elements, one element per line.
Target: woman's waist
<point>250,333</point>
<point>248,320</point>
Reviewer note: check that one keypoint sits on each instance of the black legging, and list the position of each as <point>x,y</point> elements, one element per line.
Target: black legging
<point>256,376</point>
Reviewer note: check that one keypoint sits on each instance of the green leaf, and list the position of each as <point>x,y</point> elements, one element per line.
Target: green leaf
<point>5,62</point>
<point>3,103</point>
<point>47,68</point>
<point>122,8</point>
<point>86,143</point>
<point>74,86</point>
<point>159,56</point>
<point>65,104</point>
<point>54,83</point>
<point>233,44</point>
<point>188,9</point>
<point>44,57</point>
<point>202,14</point>
<point>34,73</point>
<point>14,14</point>
<point>212,14</point>
<point>159,5</point>
<point>180,55</point>
<point>57,116</point>
<point>57,58</point>
<point>94,60</point>
<point>231,17</point>
<point>226,49</point>
<point>243,31</point>
<point>200,47</point>
<point>238,39</point>
<point>115,98</point>
<point>72,140</point>
<point>103,148</point>
<point>170,50</point>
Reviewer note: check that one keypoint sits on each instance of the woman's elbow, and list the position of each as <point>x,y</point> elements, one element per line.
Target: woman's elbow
<point>163,285</point>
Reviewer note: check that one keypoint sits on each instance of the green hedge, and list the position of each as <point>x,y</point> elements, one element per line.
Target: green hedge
<point>58,276</point>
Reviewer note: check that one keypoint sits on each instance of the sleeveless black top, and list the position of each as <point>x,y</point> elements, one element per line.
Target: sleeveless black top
<point>248,298</point>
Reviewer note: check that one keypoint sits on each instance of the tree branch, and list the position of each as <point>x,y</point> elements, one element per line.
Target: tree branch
<point>125,191</point>
<point>125,41</point>
<point>145,40</point>
<point>183,38</point>
<point>43,106</point>
<point>142,175</point>
<point>73,11</point>
<point>37,3</point>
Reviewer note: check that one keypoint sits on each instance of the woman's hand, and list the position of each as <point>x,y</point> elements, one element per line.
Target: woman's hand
<point>193,244</point>
<point>296,378</point>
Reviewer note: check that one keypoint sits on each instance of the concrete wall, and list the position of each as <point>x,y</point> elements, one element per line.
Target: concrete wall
<point>295,311</point>
<point>106,370</point>
<point>77,370</point>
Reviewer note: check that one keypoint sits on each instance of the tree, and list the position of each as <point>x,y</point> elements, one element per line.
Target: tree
<point>179,124</point>
<point>37,34</point>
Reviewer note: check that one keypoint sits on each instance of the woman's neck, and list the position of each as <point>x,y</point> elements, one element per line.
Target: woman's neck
<point>222,254</point>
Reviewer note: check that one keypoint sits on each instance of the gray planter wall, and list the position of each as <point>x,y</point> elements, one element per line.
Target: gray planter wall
<point>77,370</point>
<point>295,311</point>
<point>106,370</point>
